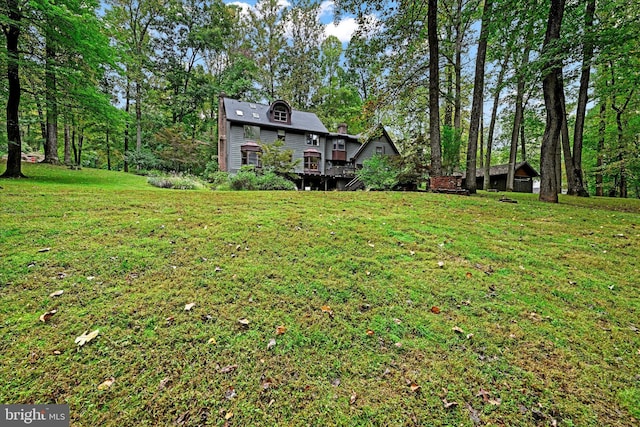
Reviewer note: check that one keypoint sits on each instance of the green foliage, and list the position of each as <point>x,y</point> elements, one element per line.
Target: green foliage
<point>248,179</point>
<point>279,160</point>
<point>380,172</point>
<point>177,182</point>
<point>143,159</point>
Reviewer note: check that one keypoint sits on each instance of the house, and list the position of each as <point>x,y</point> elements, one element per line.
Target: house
<point>328,160</point>
<point>523,177</point>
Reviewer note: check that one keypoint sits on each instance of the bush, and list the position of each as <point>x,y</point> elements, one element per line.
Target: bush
<point>176,182</point>
<point>247,179</point>
<point>379,173</point>
<point>218,179</point>
<point>271,181</point>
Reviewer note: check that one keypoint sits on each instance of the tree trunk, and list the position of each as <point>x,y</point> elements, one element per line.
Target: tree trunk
<point>126,125</point>
<point>517,120</point>
<point>551,88</point>
<point>478,100</point>
<point>492,123</point>
<point>138,118</point>
<point>481,159</point>
<point>566,148</point>
<point>12,34</point>
<point>523,143</point>
<point>108,151</point>
<point>67,144</point>
<point>76,160</point>
<point>80,142</point>
<point>600,158</point>
<point>583,95</point>
<point>457,108</point>
<point>51,144</point>
<point>434,88</point>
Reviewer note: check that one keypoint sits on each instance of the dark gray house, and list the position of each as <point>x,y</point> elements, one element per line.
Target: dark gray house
<point>328,159</point>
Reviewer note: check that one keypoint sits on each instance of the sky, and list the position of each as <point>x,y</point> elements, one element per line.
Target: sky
<point>342,30</point>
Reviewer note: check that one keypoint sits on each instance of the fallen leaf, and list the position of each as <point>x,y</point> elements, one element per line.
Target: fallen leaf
<point>353,398</point>
<point>61,276</point>
<point>207,318</point>
<point>90,278</point>
<point>57,352</point>
<point>336,382</point>
<point>85,338</point>
<point>48,315</point>
<point>457,330</point>
<point>218,269</point>
<point>495,402</point>
<point>473,415</point>
<point>280,330</point>
<point>326,309</point>
<point>468,275</point>
<point>484,394</point>
<point>212,341</point>
<point>227,369</point>
<point>398,344</point>
<point>44,250</point>
<point>370,332</point>
<point>163,383</point>
<point>397,321</point>
<point>189,306</point>
<point>170,319</point>
<point>440,264</point>
<point>415,387</point>
<point>106,383</point>
<point>272,343</point>
<point>228,415</point>
<point>244,322</point>
<point>435,310</point>
<point>230,393</point>
<point>448,405</point>
<point>56,293</point>
<point>469,336</point>
<point>266,385</point>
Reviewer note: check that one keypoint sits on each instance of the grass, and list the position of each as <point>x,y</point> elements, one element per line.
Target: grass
<point>548,292</point>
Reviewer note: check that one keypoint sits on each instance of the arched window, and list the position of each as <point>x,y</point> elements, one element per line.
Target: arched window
<point>280,112</point>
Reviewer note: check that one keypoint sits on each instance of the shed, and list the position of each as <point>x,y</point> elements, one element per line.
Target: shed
<point>523,178</point>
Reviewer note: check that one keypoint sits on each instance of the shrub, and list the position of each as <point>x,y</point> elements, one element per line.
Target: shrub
<point>218,179</point>
<point>245,179</point>
<point>271,181</point>
<point>176,182</point>
<point>379,173</point>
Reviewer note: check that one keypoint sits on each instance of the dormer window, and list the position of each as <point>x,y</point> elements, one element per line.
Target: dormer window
<point>280,112</point>
<point>313,139</point>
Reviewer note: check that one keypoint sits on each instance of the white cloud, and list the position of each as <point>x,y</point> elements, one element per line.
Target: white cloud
<point>326,10</point>
<point>343,30</point>
<point>245,7</point>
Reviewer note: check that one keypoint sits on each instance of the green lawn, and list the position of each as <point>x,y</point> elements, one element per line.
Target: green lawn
<point>538,323</point>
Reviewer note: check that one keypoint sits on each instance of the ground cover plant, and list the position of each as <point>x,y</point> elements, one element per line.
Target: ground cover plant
<point>313,308</point>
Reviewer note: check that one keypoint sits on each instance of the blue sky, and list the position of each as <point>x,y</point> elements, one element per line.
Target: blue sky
<point>343,30</point>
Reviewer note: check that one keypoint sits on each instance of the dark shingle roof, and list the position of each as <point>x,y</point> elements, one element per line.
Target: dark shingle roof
<point>256,114</point>
<point>504,170</point>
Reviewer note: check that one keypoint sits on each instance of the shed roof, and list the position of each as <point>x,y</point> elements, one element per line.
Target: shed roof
<point>504,170</point>
<point>257,114</point>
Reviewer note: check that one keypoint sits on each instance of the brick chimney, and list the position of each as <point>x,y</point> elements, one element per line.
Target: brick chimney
<point>342,128</point>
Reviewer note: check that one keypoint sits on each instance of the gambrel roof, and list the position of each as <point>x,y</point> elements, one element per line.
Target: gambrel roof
<point>258,115</point>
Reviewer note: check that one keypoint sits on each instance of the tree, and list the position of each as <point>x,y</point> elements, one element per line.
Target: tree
<point>379,173</point>
<point>552,88</point>
<point>11,29</point>
<point>478,100</point>
<point>434,89</point>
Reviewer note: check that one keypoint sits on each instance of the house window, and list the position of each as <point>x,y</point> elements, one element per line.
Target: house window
<point>251,154</point>
<point>280,113</point>
<point>313,139</point>
<point>251,132</point>
<point>312,161</point>
<point>281,134</point>
<point>379,150</point>
<point>338,145</point>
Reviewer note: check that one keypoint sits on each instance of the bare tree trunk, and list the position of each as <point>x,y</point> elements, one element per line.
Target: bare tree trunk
<point>481,158</point>
<point>12,34</point>
<point>583,95</point>
<point>566,148</point>
<point>551,87</point>
<point>127,107</point>
<point>492,123</point>
<point>51,144</point>
<point>523,143</point>
<point>67,144</point>
<point>600,158</point>
<point>434,88</point>
<point>108,150</point>
<point>517,120</point>
<point>138,118</point>
<point>621,144</point>
<point>478,100</point>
